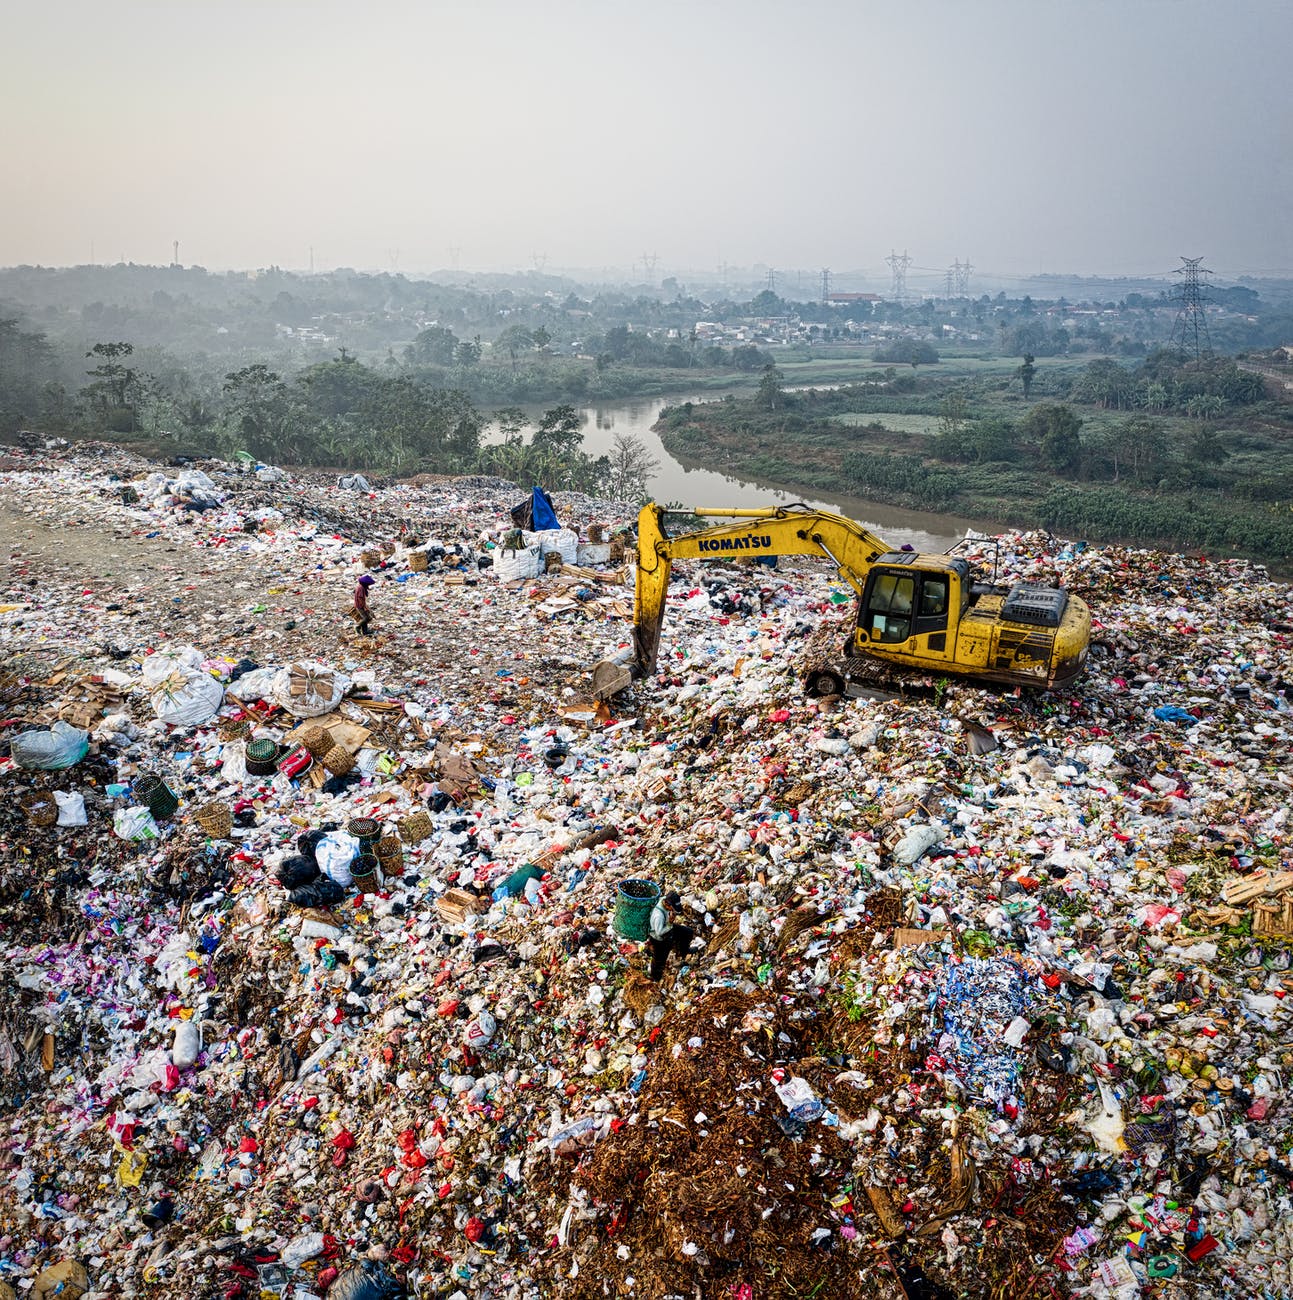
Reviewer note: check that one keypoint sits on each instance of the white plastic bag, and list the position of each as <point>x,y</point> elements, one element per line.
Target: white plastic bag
<point>187,1045</point>
<point>50,751</point>
<point>562,540</point>
<point>334,853</point>
<point>309,690</point>
<point>255,685</point>
<point>233,761</point>
<point>134,824</point>
<point>181,693</point>
<point>71,808</point>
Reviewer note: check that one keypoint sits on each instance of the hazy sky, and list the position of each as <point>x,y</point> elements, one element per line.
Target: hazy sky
<point>1022,134</point>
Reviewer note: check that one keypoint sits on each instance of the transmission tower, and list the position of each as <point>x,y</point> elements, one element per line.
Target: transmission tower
<point>963,277</point>
<point>826,283</point>
<point>772,280</point>
<point>648,266</point>
<point>898,265</point>
<point>1190,332</point>
<point>950,277</point>
<point>175,252</point>
<point>540,260</point>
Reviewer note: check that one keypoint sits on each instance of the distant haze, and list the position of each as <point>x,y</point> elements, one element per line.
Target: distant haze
<point>416,135</point>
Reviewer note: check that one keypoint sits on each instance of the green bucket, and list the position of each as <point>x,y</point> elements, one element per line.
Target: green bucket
<point>634,903</point>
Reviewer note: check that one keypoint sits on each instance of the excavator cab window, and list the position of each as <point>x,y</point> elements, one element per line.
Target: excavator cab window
<point>887,616</point>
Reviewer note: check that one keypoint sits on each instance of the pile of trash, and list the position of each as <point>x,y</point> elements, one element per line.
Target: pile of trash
<point>313,986</point>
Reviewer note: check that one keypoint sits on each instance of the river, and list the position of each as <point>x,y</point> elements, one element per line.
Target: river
<point>694,485</point>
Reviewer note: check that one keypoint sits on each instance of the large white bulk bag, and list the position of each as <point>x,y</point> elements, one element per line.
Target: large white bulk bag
<point>511,565</point>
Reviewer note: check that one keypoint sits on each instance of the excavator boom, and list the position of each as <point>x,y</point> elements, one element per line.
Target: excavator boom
<point>785,530</point>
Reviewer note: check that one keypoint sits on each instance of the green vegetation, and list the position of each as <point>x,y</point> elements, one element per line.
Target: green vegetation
<point>1186,454</point>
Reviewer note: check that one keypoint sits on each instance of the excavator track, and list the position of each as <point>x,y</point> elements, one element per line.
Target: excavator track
<point>827,669</point>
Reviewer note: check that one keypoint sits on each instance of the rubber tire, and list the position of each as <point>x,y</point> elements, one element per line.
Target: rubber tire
<point>824,681</point>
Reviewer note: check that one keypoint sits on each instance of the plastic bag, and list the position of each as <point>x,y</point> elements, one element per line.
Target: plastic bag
<point>181,692</point>
<point>256,684</point>
<point>319,893</point>
<point>798,1097</point>
<point>52,750</point>
<point>511,565</point>
<point>561,540</point>
<point>367,1281</point>
<point>296,871</point>
<point>309,690</point>
<point>134,824</point>
<point>71,808</point>
<point>334,853</point>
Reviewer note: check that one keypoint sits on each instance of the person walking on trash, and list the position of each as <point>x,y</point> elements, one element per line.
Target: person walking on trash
<point>665,936</point>
<point>361,613</point>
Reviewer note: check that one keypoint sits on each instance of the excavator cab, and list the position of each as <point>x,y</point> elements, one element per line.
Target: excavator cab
<point>912,604</point>
<point>910,596</point>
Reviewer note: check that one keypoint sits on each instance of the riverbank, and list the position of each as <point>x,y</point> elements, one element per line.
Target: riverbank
<point>812,445</point>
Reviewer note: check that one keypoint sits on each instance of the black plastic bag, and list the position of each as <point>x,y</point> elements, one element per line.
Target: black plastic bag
<point>523,515</point>
<point>308,842</point>
<point>367,1281</point>
<point>297,870</point>
<point>319,893</point>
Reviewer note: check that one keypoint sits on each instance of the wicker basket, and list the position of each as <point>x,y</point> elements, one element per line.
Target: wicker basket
<point>365,872</point>
<point>162,801</point>
<point>233,729</point>
<point>390,853</point>
<point>338,760</point>
<point>40,807</point>
<point>216,820</point>
<point>418,562</point>
<point>415,827</point>
<point>262,757</point>
<point>367,830</point>
<point>371,559</point>
<point>318,740</point>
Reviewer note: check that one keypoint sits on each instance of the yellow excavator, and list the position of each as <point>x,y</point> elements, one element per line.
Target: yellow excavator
<point>917,614</point>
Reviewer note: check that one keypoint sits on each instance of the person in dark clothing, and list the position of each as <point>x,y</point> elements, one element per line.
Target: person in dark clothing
<point>665,936</point>
<point>361,613</point>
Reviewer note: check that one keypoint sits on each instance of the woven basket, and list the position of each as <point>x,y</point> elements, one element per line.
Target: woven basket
<point>40,808</point>
<point>371,559</point>
<point>366,830</point>
<point>338,760</point>
<point>262,757</point>
<point>216,819</point>
<point>364,871</point>
<point>390,852</point>
<point>162,801</point>
<point>418,562</point>
<point>233,729</point>
<point>318,740</point>
<point>415,827</point>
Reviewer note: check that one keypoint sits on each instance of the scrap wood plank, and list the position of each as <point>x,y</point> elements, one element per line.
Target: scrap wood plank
<point>905,937</point>
<point>1261,884</point>
<point>885,1211</point>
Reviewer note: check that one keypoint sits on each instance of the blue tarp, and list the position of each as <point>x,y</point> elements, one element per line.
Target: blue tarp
<point>543,515</point>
